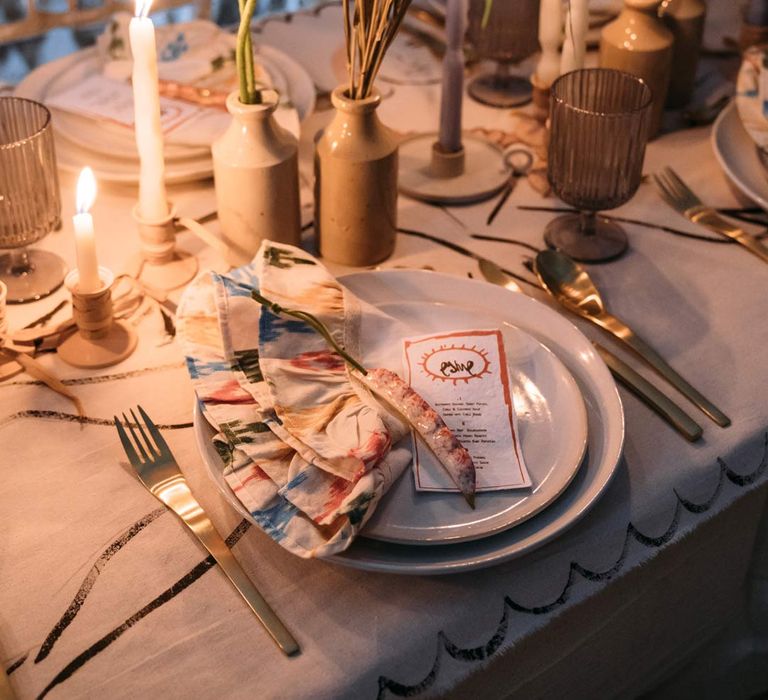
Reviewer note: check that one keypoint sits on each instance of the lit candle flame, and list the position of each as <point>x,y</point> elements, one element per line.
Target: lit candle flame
<point>86,190</point>
<point>142,7</point>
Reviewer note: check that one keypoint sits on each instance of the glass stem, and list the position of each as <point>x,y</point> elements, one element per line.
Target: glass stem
<point>18,262</point>
<point>502,72</point>
<point>588,222</point>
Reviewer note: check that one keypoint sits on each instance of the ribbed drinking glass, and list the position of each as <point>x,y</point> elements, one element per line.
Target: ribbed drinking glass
<point>30,200</point>
<point>599,121</point>
<point>510,34</point>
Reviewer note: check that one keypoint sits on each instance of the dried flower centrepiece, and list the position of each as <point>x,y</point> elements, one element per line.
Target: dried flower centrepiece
<point>369,28</point>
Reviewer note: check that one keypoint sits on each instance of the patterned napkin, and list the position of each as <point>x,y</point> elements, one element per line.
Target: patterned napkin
<point>196,52</point>
<point>305,449</point>
<point>752,94</point>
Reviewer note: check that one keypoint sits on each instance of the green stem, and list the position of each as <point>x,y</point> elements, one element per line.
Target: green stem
<point>314,323</point>
<point>486,13</point>
<point>244,53</point>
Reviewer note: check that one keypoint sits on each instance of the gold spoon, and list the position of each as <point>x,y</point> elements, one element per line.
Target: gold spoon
<point>571,286</point>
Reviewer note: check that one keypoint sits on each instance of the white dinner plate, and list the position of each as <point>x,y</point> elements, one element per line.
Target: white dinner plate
<point>605,420</point>
<point>737,154</point>
<point>552,422</point>
<point>76,145</point>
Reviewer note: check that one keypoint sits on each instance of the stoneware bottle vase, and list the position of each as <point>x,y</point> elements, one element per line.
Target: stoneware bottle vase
<point>356,184</point>
<point>255,168</point>
<point>638,43</point>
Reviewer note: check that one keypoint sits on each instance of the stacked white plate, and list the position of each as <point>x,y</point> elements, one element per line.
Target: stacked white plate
<point>109,148</point>
<point>570,419</point>
<point>740,133</point>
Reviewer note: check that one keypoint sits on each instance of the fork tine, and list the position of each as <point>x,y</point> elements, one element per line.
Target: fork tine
<point>674,187</point>
<point>136,439</point>
<point>126,441</point>
<point>156,434</point>
<point>664,191</point>
<point>679,181</point>
<point>151,448</point>
<point>686,193</point>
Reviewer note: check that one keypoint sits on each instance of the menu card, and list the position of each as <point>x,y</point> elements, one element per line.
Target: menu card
<point>98,97</point>
<point>463,375</point>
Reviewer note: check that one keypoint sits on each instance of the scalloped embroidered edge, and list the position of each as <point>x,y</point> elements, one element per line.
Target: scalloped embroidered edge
<point>496,640</point>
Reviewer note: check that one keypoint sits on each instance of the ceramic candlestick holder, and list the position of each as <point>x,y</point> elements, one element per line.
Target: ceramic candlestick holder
<point>161,265</point>
<point>100,340</point>
<point>472,174</point>
<point>541,93</point>
<point>8,366</point>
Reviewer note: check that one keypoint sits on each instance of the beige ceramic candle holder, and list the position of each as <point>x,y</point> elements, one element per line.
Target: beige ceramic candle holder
<point>541,93</point>
<point>474,173</point>
<point>99,341</point>
<point>161,265</point>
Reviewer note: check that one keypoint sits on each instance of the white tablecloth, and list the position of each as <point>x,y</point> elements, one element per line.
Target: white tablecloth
<point>105,594</point>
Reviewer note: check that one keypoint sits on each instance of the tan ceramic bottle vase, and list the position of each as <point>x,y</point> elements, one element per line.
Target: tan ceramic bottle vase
<point>637,42</point>
<point>685,19</point>
<point>256,174</point>
<point>356,184</point>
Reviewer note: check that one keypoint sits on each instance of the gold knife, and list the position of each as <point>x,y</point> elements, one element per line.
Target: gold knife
<point>651,396</point>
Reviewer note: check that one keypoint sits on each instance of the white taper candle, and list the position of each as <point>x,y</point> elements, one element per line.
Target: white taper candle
<point>575,44</point>
<point>550,33</point>
<point>85,240</point>
<point>153,202</point>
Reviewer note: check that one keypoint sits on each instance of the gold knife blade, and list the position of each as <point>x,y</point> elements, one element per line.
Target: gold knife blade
<point>495,275</point>
<point>651,396</point>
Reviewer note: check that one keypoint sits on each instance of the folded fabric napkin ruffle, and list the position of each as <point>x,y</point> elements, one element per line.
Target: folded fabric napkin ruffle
<point>304,448</point>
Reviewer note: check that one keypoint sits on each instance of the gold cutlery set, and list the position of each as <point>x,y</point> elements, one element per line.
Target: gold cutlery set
<point>566,282</point>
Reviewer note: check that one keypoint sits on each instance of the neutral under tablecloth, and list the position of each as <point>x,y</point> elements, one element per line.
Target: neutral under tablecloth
<point>105,594</point>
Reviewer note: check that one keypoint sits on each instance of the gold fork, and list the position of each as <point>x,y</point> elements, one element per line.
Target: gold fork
<point>159,472</point>
<point>680,197</point>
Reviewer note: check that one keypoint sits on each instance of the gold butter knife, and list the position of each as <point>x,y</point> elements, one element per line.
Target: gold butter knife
<point>159,472</point>
<point>651,396</point>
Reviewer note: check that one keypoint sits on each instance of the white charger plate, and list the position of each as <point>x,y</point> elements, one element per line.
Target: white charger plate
<point>182,164</point>
<point>117,140</point>
<point>605,419</point>
<point>552,425</point>
<point>737,154</point>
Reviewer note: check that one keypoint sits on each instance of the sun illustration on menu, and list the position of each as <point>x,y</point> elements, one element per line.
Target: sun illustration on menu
<point>455,363</point>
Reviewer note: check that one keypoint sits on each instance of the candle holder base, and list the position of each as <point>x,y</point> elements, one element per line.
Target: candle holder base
<point>94,353</point>
<point>474,174</point>
<point>99,340</point>
<point>9,368</point>
<point>161,266</point>
<point>174,273</point>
